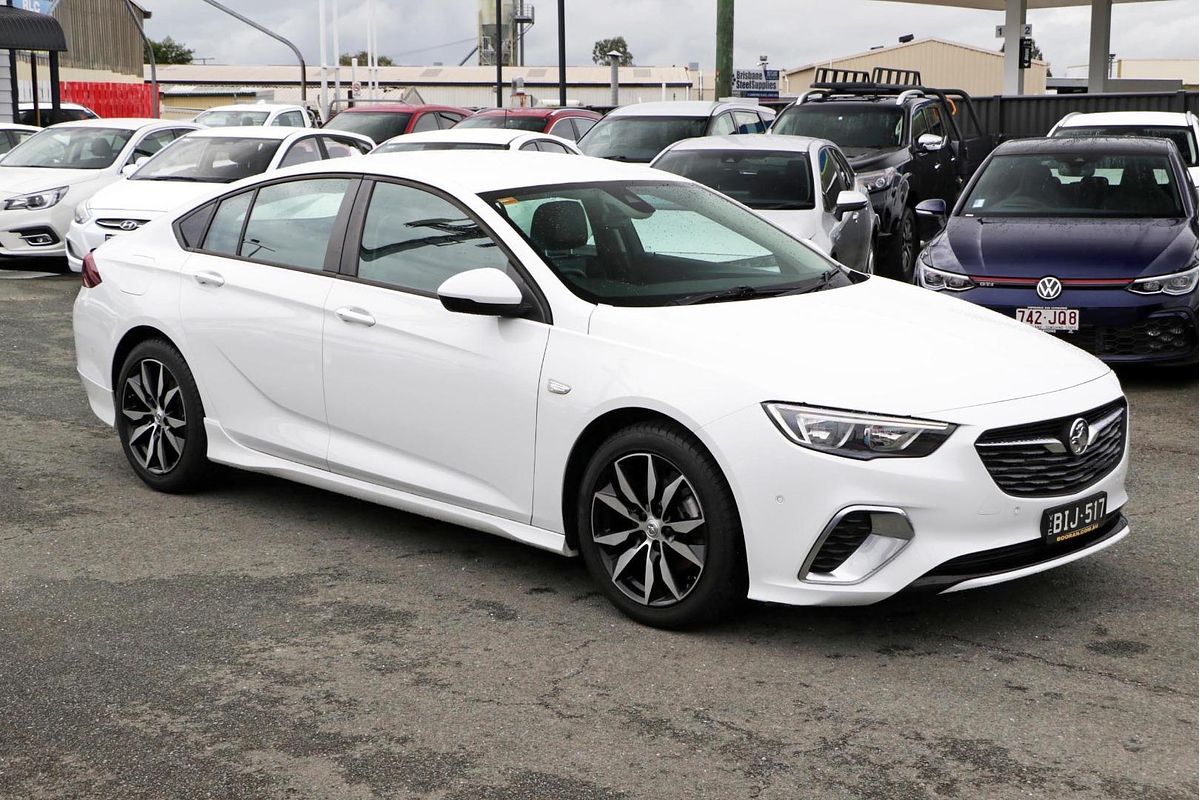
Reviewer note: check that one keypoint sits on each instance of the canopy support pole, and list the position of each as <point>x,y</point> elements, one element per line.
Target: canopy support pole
<point>1014,27</point>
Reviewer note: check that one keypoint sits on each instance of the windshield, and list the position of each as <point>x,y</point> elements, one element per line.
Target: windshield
<point>520,123</point>
<point>848,126</point>
<point>1076,185</point>
<point>1183,138</point>
<point>232,119</point>
<point>639,138</point>
<point>650,244</point>
<point>378,125</point>
<point>69,148</point>
<point>409,147</point>
<point>768,181</point>
<point>209,159</point>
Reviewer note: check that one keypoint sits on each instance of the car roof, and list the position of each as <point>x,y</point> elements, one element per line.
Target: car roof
<point>1166,119</point>
<point>1090,144</point>
<point>749,141</point>
<point>541,112</point>
<point>398,108</point>
<point>685,108</point>
<point>477,171</point>
<point>255,107</point>
<point>254,132</point>
<point>504,136</point>
<point>128,123</point>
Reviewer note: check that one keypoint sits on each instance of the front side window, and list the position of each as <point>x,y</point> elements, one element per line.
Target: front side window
<point>760,179</point>
<point>564,128</point>
<point>639,138</point>
<point>933,115</point>
<point>547,146</point>
<point>748,122</point>
<point>376,125</point>
<point>1184,138</point>
<point>340,148</point>
<point>290,119</point>
<point>530,147</point>
<point>302,152</point>
<point>1076,185</point>
<point>70,148</point>
<point>232,118</point>
<point>291,223</point>
<point>152,143</point>
<point>415,240</point>
<point>209,159</point>
<point>920,125</point>
<point>652,244</point>
<point>832,179</point>
<point>848,125</point>
<point>722,125</point>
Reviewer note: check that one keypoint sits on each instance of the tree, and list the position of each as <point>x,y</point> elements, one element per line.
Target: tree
<point>361,55</point>
<point>169,51</point>
<point>602,48</point>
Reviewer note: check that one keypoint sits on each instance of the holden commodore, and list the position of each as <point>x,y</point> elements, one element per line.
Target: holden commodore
<point>528,345</point>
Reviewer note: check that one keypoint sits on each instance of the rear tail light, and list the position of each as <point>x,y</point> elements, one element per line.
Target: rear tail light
<point>91,275</point>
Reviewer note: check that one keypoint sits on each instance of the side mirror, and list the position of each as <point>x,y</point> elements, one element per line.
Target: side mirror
<point>487,292</point>
<point>850,201</point>
<point>930,142</point>
<point>129,169</point>
<point>931,217</point>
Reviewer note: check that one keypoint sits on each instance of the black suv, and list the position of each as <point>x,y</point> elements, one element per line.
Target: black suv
<point>906,142</point>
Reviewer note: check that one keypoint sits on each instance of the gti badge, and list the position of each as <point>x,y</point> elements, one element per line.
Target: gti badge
<point>1049,287</point>
<point>129,225</point>
<point>1078,436</point>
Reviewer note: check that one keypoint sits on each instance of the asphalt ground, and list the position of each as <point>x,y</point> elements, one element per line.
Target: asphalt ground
<point>266,640</point>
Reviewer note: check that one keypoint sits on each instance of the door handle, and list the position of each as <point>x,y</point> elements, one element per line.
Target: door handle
<point>207,278</point>
<point>355,316</point>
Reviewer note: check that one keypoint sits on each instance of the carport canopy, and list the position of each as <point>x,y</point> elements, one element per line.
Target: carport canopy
<point>1014,24</point>
<point>28,30</point>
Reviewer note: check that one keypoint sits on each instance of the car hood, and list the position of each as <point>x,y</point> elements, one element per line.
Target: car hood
<point>801,223</point>
<point>878,345</point>
<point>149,196</point>
<point>23,180</point>
<point>1076,248</point>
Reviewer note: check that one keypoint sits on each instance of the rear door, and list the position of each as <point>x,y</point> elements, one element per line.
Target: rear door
<point>252,302</point>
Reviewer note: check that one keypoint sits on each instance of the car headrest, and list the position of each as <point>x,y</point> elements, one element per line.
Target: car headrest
<point>559,225</point>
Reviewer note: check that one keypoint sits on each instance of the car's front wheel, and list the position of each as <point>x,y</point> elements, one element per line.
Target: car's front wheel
<point>160,419</point>
<point>902,248</point>
<point>658,528</point>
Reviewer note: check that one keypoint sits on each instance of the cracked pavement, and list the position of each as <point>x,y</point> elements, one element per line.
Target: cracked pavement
<point>267,640</point>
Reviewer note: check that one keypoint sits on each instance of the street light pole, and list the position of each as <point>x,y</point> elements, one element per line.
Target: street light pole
<point>724,78</point>
<point>562,52</point>
<point>498,47</point>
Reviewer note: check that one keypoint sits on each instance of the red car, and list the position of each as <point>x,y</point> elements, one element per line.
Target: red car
<point>569,123</point>
<point>382,121</point>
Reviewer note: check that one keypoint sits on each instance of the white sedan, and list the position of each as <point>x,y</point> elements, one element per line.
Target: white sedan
<point>46,176</point>
<point>191,168</point>
<point>479,139</point>
<point>495,340</point>
<point>803,185</point>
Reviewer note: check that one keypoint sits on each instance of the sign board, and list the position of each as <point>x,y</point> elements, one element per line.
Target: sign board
<point>755,83</point>
<point>1026,30</point>
<point>38,6</point>
<point>1026,53</point>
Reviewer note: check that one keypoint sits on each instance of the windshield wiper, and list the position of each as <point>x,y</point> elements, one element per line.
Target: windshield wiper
<point>734,293</point>
<point>172,178</point>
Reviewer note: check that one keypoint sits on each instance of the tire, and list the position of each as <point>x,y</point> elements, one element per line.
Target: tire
<point>160,419</point>
<point>900,257</point>
<point>697,573</point>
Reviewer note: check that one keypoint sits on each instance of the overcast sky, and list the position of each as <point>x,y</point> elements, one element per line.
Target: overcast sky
<point>662,33</point>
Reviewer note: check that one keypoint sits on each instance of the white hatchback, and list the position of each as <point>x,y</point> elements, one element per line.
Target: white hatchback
<point>191,168</point>
<point>504,341</point>
<point>479,139</point>
<point>1181,128</point>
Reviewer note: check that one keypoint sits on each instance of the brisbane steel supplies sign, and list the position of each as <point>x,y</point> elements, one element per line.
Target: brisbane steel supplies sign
<point>756,82</point>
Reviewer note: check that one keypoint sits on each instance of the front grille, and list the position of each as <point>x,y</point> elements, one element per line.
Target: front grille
<point>1157,336</point>
<point>1014,556</point>
<point>1032,460</point>
<point>850,532</point>
<point>116,224</point>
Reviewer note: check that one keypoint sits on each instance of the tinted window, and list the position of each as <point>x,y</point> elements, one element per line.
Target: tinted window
<point>748,122</point>
<point>209,159</point>
<point>226,229</point>
<point>933,115</point>
<point>920,125</point>
<point>151,144</point>
<point>832,180</point>
<point>582,126</point>
<point>639,138</point>
<point>1182,137</point>
<point>848,125</point>
<point>415,240</point>
<point>70,148</point>
<point>448,120</point>
<point>565,129</point>
<point>291,223</point>
<point>378,125</point>
<point>425,122</point>
<point>191,228</point>
<point>522,122</point>
<point>763,180</point>
<point>722,125</point>
<point>290,119</point>
<point>547,146</point>
<point>1076,185</point>
<point>302,152</point>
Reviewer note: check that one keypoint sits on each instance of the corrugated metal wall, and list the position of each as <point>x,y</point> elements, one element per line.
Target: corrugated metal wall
<point>1019,117</point>
<point>100,35</point>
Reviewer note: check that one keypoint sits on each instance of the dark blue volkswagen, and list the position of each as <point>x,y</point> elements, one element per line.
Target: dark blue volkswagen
<point>1092,240</point>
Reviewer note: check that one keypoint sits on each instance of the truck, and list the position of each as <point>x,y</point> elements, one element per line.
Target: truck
<point>906,142</point>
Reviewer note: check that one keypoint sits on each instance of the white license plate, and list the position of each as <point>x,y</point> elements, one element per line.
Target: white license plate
<point>1050,319</point>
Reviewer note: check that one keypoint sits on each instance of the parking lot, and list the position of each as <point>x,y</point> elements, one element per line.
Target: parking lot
<point>268,640</point>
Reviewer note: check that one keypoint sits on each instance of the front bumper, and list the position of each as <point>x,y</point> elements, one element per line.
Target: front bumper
<point>787,495</point>
<point>37,233</point>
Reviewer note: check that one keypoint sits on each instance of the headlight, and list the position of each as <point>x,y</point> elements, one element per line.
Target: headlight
<point>937,279</point>
<point>1175,283</point>
<point>83,212</point>
<point>36,200</point>
<point>878,180</point>
<point>855,435</point>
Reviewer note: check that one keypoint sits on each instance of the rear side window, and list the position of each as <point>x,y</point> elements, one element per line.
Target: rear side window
<point>582,126</point>
<point>226,229</point>
<point>425,122</point>
<point>564,129</point>
<point>190,229</point>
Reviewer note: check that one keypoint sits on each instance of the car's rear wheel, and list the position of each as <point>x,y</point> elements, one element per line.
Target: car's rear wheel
<point>160,419</point>
<point>658,528</point>
<point>901,255</point>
